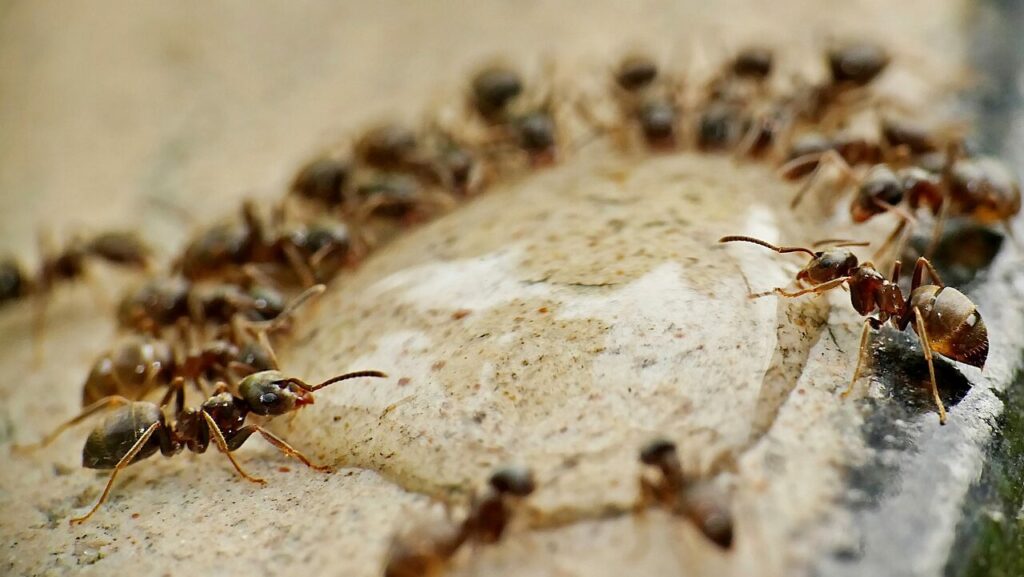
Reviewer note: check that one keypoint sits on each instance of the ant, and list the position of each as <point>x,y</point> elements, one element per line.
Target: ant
<point>497,95</point>
<point>323,180</point>
<point>852,67</point>
<point>645,97</point>
<point>492,89</point>
<point>122,249</point>
<point>163,302</point>
<point>228,247</point>
<point>683,495</point>
<point>138,430</point>
<point>945,320</point>
<point>486,521</point>
<point>139,365</point>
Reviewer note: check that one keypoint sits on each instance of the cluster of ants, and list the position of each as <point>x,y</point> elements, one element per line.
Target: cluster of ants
<point>206,322</point>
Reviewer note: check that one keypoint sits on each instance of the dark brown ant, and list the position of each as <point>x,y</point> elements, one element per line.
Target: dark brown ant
<point>121,249</point>
<point>226,250</point>
<point>420,555</point>
<point>140,365</point>
<point>646,98</point>
<point>162,302</point>
<point>138,430</point>
<point>323,180</point>
<point>636,72</point>
<point>493,88</point>
<point>856,63</point>
<point>683,495</point>
<point>387,147</point>
<point>945,320</point>
<point>14,283</point>
<point>754,63</point>
<point>852,67</point>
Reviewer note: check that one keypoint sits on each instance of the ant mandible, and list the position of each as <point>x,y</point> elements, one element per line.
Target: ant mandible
<point>138,430</point>
<point>945,320</point>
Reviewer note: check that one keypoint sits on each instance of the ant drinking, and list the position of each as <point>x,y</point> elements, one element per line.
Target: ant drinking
<point>945,320</point>
<point>138,430</point>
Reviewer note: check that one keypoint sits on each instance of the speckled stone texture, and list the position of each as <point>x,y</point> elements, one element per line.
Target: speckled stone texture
<point>559,321</point>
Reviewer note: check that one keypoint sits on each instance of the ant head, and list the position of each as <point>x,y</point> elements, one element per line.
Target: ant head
<point>754,62</point>
<point>322,180</point>
<point>635,72</point>
<point>657,451</point>
<point>536,132</point>
<point>828,265</point>
<point>515,481</point>
<point>857,63</point>
<point>494,87</point>
<point>269,393</point>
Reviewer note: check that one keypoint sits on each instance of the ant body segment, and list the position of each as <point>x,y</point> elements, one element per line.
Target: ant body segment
<point>945,320</point>
<point>139,430</point>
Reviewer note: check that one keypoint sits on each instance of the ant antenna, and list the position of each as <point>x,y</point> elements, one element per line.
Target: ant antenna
<point>778,249</point>
<point>311,388</point>
<point>840,242</point>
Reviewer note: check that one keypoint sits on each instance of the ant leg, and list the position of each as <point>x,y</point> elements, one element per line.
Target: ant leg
<point>937,228</point>
<point>218,437</point>
<point>869,324</point>
<point>919,268</point>
<point>897,270</point>
<point>926,345</point>
<point>124,462</point>
<point>814,289</point>
<point>829,157</point>
<point>896,233</point>
<point>39,328</point>
<point>287,449</point>
<point>177,391</point>
<point>264,341</point>
<point>104,403</point>
<point>299,266</point>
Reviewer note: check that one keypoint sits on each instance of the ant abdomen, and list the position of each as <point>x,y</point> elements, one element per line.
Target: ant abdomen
<point>954,326</point>
<point>117,434</point>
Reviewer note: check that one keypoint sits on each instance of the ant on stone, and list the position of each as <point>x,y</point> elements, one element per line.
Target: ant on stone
<point>70,263</point>
<point>681,494</point>
<point>422,555</point>
<point>945,320</point>
<point>225,249</point>
<point>137,366</point>
<point>514,117</point>
<point>138,430</point>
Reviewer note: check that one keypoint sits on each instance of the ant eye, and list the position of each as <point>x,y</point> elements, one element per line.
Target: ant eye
<point>269,399</point>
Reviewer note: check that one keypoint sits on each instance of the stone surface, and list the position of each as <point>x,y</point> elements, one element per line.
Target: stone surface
<point>560,321</point>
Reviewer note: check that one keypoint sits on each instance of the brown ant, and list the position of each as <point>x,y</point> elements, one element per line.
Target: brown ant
<point>122,249</point>
<point>138,430</point>
<point>225,249</point>
<point>138,366</point>
<point>492,90</point>
<point>162,302</point>
<point>323,180</point>
<point>646,99</point>
<point>683,495</point>
<point>945,320</point>
<point>421,555</point>
<point>852,67</point>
